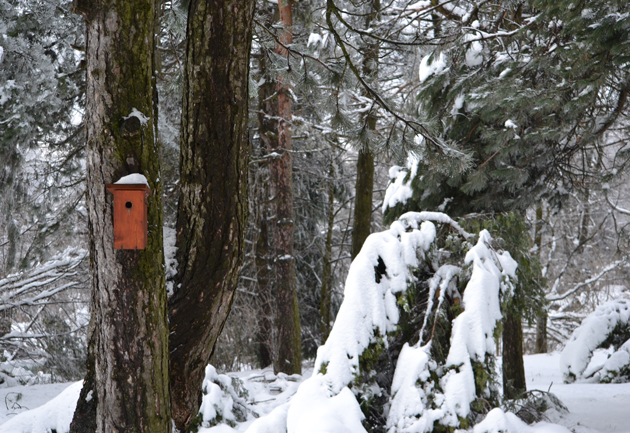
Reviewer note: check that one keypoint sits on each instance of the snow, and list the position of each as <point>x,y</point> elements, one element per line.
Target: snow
<point>590,334</point>
<point>419,5</point>
<point>369,308</point>
<point>472,338</point>
<point>473,54</point>
<point>314,410</point>
<point>55,415</point>
<point>436,66</point>
<point>510,124</point>
<point>139,115</point>
<point>498,421</point>
<point>593,408</point>
<point>133,179</point>
<point>399,188</point>
<point>170,249</point>
<point>314,39</point>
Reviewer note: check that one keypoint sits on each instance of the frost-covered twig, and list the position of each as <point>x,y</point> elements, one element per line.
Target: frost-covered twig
<point>555,297</point>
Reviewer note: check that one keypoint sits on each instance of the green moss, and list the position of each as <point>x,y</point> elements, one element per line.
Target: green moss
<point>195,424</point>
<point>323,368</point>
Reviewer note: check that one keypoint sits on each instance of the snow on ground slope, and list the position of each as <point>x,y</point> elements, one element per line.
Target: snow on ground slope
<point>594,408</point>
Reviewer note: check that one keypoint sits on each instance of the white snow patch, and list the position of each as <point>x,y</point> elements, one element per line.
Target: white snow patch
<point>510,124</point>
<point>590,334</point>
<point>498,421</point>
<point>399,188</point>
<point>54,415</point>
<point>139,115</point>
<point>474,55</point>
<point>437,65</point>
<point>314,39</point>
<point>133,179</point>
<point>170,249</point>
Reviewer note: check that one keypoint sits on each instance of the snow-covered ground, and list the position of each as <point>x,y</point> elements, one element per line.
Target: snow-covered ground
<point>594,408</point>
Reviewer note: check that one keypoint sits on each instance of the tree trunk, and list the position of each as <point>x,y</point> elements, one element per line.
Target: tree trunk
<point>325,297</point>
<point>129,333</point>
<point>276,134</point>
<point>265,318</point>
<point>264,330</point>
<point>364,187</point>
<point>514,384</point>
<point>541,320</point>
<point>212,208</point>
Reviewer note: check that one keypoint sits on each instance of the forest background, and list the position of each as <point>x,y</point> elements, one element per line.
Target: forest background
<point>482,108</point>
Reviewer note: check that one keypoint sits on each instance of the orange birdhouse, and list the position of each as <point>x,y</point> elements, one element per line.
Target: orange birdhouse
<point>130,215</point>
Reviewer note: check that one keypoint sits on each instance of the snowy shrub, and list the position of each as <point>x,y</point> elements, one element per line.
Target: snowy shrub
<point>409,351</point>
<point>608,325</point>
<point>223,399</point>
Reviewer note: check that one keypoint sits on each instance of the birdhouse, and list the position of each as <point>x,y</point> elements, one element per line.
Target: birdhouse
<point>130,215</point>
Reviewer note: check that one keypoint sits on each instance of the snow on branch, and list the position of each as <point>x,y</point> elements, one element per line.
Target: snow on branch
<point>424,391</point>
<point>593,332</point>
<point>554,296</point>
<point>32,287</point>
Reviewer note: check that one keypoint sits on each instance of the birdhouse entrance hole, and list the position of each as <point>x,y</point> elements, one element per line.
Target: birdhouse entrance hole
<point>130,215</point>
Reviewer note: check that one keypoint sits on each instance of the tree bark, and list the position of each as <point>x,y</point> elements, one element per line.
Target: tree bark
<point>364,187</point>
<point>265,318</point>
<point>128,356</point>
<point>276,134</point>
<point>541,320</point>
<point>326,292</point>
<point>212,208</point>
<point>514,384</point>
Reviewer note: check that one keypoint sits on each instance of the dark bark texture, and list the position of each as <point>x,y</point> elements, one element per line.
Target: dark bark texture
<point>326,293</point>
<point>514,384</point>
<point>364,187</point>
<point>276,134</point>
<point>212,208</point>
<point>128,356</point>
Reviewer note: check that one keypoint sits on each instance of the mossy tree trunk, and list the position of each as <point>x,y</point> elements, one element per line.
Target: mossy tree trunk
<point>364,187</point>
<point>514,384</point>
<point>127,387</point>
<point>276,134</point>
<point>212,208</point>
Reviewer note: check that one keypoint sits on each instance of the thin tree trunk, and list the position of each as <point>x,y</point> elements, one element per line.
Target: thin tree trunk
<point>276,133</point>
<point>325,297</point>
<point>265,318</point>
<point>541,320</point>
<point>364,187</point>
<point>267,132</point>
<point>514,384</point>
<point>212,208</point>
<point>128,349</point>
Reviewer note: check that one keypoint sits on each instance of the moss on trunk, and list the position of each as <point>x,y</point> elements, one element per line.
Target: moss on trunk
<point>128,359</point>
<point>212,207</point>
